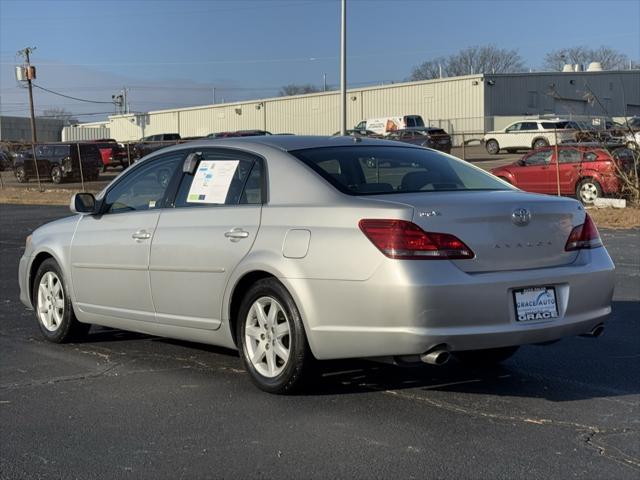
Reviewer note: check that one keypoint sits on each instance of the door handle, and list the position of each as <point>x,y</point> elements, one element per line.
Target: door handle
<point>141,235</point>
<point>236,234</point>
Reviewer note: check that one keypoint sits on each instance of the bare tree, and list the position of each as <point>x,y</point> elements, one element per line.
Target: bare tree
<point>609,58</point>
<point>434,68</point>
<point>487,59</point>
<point>476,59</point>
<point>294,89</point>
<point>60,113</point>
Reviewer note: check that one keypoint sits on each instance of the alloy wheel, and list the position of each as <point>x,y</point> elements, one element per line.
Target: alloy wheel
<point>56,175</point>
<point>50,301</point>
<point>588,192</point>
<point>267,337</point>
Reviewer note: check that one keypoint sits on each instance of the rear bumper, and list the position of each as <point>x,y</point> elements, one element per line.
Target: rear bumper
<point>407,307</point>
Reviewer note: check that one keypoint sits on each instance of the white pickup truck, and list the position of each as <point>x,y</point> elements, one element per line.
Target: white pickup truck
<point>528,134</point>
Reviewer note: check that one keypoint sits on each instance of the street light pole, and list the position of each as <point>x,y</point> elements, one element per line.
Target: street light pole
<point>343,70</point>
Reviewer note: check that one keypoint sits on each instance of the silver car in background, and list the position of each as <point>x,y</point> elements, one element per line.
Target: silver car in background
<point>295,249</point>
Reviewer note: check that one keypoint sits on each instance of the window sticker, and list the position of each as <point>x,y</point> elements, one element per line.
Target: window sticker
<point>212,181</point>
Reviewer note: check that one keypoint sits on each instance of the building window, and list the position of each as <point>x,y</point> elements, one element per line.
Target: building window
<point>532,100</point>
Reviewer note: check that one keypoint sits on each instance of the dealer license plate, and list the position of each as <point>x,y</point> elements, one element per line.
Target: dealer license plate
<point>535,303</point>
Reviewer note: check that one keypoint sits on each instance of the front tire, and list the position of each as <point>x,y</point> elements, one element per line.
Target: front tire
<point>21,175</point>
<point>492,146</point>
<point>52,305</point>
<point>271,338</point>
<point>588,190</point>
<point>487,357</point>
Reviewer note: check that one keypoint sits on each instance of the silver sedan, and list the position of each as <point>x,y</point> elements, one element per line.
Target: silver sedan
<point>297,249</point>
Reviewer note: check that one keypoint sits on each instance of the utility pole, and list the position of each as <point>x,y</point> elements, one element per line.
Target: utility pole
<point>214,95</point>
<point>31,74</point>
<point>125,99</point>
<point>343,69</point>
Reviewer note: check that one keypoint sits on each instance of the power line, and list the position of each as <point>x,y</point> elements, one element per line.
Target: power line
<point>68,96</point>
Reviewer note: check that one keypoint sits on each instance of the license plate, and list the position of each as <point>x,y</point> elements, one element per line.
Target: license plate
<point>443,141</point>
<point>535,303</point>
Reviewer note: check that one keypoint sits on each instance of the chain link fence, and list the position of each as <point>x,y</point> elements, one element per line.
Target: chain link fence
<point>89,161</point>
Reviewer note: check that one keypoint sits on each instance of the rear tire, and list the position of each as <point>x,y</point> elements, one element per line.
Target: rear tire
<point>52,305</point>
<point>540,143</point>
<point>487,357</point>
<point>271,338</point>
<point>21,175</point>
<point>492,146</point>
<point>56,175</point>
<point>588,190</point>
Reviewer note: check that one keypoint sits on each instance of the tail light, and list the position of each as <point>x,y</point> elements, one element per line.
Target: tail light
<point>584,236</point>
<point>401,239</point>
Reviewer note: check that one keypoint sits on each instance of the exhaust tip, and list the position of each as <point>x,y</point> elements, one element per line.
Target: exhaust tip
<point>438,355</point>
<point>597,331</point>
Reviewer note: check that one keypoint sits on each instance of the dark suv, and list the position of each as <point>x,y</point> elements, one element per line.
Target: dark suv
<point>152,143</point>
<point>59,161</point>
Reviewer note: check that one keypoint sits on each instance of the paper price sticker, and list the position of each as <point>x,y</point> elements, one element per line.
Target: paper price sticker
<point>212,181</point>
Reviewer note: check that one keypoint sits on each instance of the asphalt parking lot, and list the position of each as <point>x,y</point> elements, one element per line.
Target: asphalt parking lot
<point>123,405</point>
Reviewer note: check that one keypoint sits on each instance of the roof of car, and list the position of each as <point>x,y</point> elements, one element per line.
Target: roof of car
<point>289,143</point>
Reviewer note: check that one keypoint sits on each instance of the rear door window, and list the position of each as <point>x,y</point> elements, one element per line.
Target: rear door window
<point>222,178</point>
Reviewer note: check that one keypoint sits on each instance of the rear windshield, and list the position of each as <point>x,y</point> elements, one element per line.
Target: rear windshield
<point>375,170</point>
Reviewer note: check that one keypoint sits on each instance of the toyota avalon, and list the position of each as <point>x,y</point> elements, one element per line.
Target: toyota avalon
<point>295,249</point>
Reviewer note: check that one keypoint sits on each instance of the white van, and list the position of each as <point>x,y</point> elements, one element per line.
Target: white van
<point>386,125</point>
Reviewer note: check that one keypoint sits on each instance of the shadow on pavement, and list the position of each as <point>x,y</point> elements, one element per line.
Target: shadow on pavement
<point>559,372</point>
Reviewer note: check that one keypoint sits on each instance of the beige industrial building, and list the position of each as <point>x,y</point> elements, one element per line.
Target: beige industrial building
<point>470,104</point>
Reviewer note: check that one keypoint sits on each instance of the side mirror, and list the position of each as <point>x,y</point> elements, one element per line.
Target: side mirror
<point>522,163</point>
<point>83,203</point>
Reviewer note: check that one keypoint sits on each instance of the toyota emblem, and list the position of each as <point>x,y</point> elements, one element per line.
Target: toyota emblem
<point>521,217</point>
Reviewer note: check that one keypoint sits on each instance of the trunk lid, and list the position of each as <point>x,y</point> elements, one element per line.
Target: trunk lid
<point>484,222</point>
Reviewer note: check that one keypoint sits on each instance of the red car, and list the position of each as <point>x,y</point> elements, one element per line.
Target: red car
<point>588,172</point>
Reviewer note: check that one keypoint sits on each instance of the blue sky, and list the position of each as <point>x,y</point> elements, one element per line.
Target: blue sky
<point>171,53</point>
